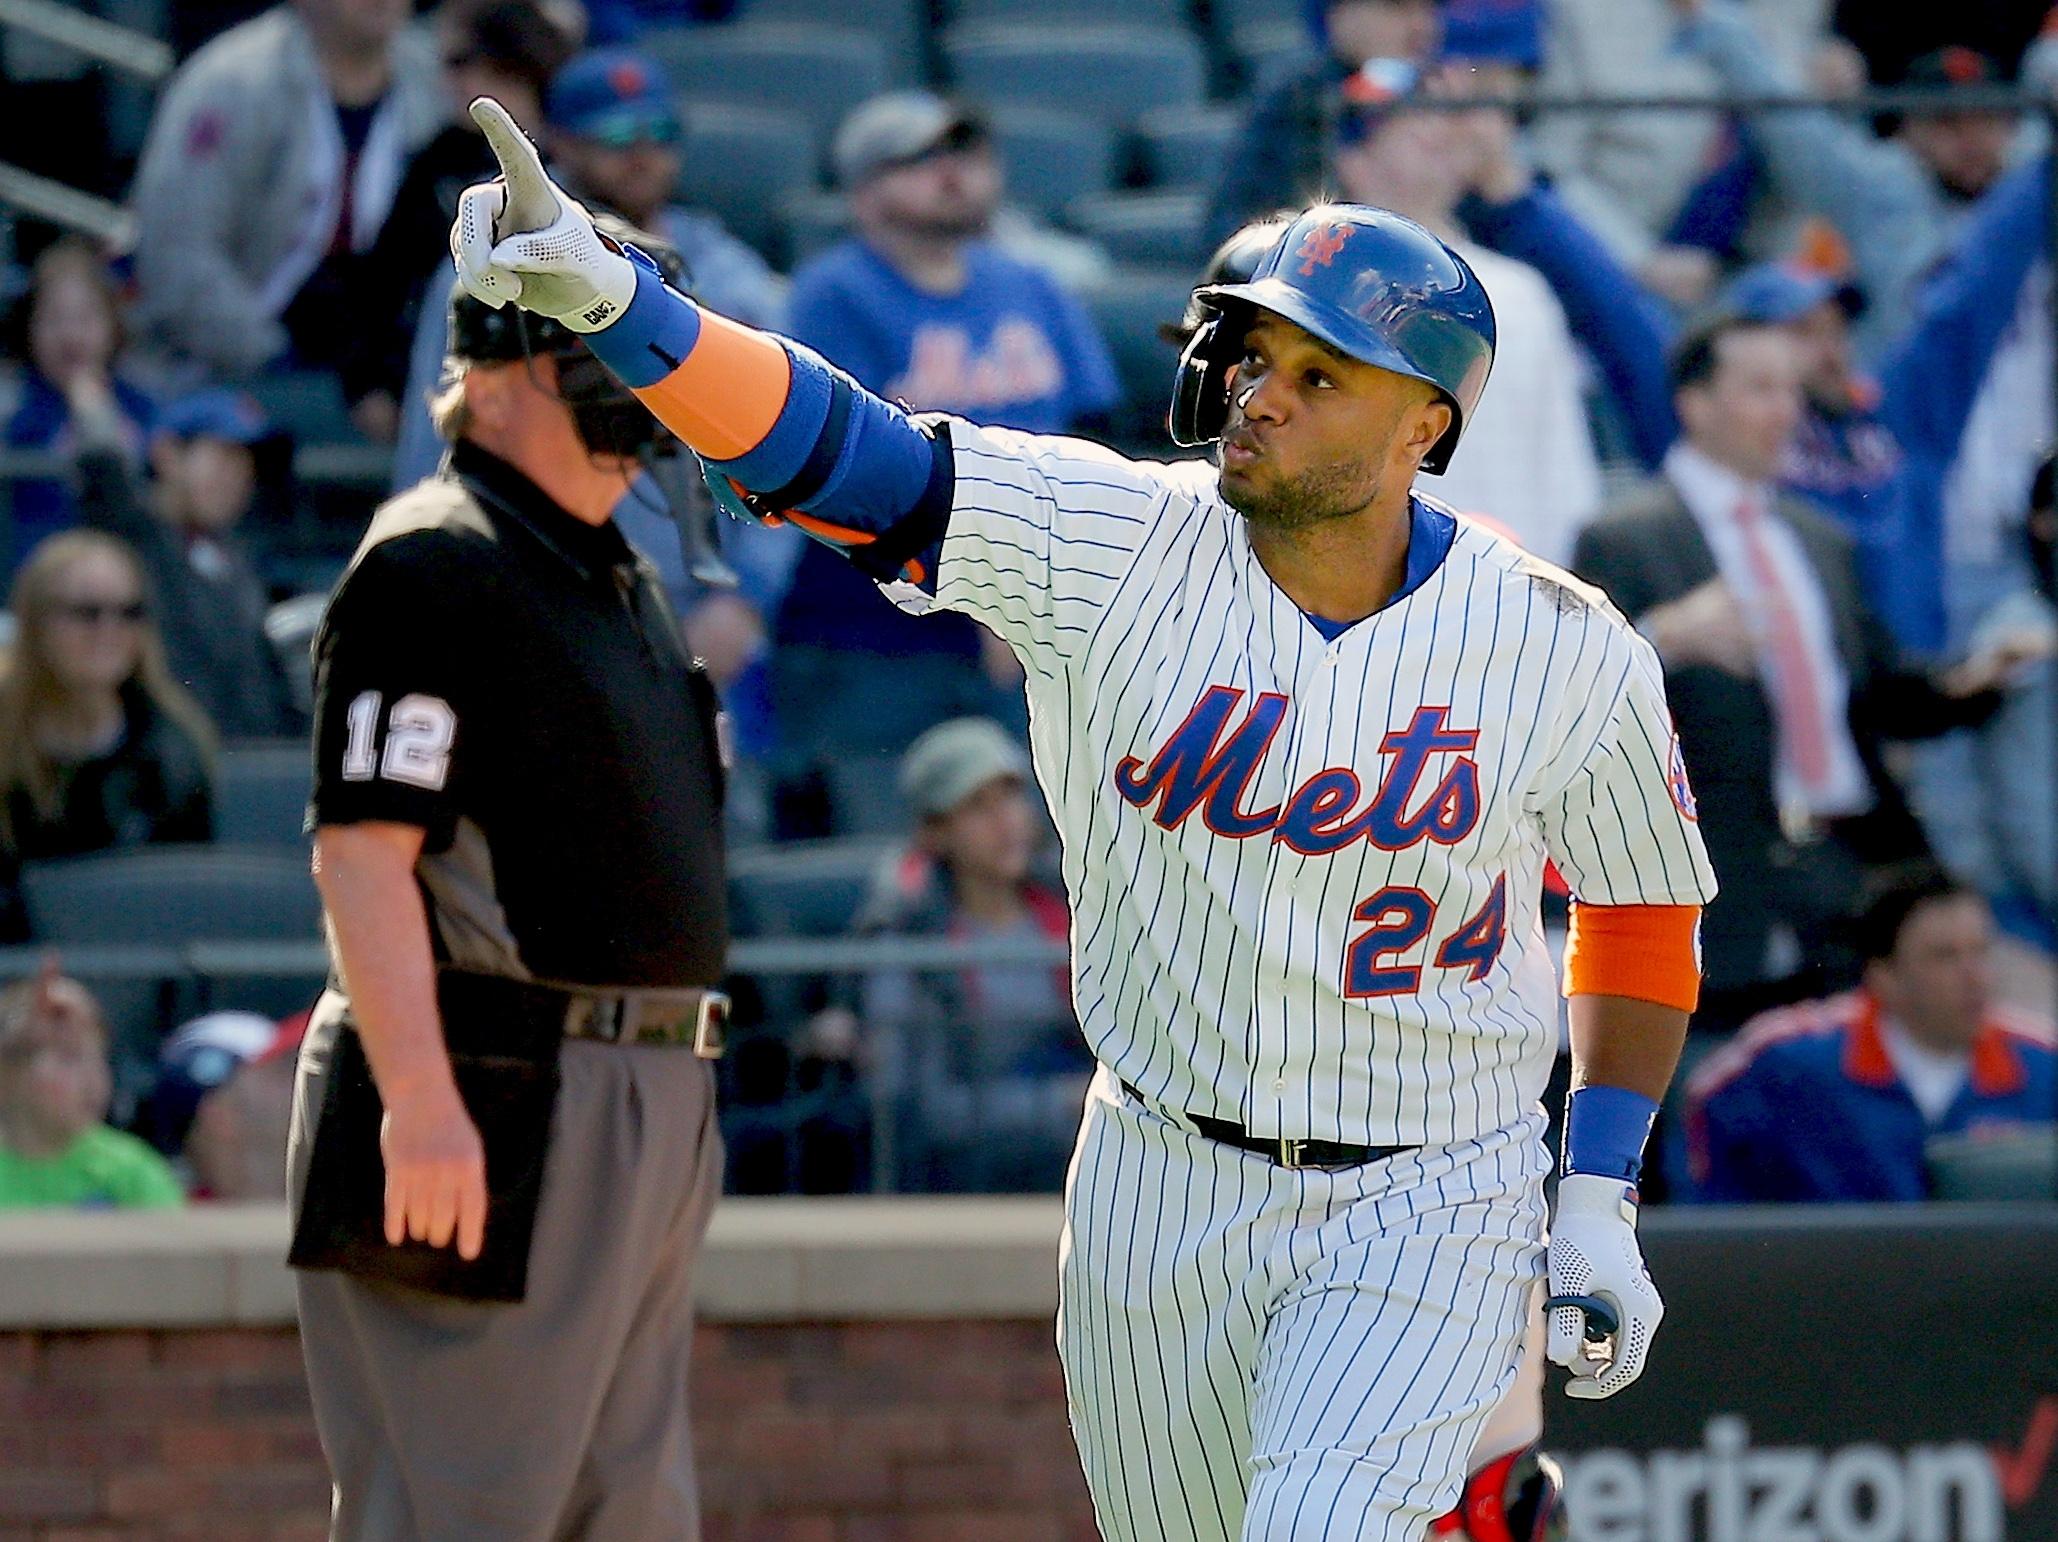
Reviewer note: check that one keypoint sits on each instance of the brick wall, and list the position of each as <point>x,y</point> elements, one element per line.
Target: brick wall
<point>851,1432</point>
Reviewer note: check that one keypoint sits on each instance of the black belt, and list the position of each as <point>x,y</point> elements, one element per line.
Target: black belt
<point>1282,1150</point>
<point>481,1006</point>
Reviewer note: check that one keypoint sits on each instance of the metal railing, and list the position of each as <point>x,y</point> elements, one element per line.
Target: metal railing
<point>110,43</point>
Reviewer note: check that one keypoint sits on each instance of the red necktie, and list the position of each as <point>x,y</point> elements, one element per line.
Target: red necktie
<point>1797,691</point>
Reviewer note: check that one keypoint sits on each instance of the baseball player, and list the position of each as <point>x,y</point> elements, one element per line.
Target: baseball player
<point>1309,740</point>
<point>1515,1493</point>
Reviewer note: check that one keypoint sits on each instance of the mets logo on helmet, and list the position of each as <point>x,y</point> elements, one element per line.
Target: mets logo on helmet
<point>1320,246</point>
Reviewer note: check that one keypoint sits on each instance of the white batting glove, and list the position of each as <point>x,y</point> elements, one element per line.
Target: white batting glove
<point>1603,1307</point>
<point>521,238</point>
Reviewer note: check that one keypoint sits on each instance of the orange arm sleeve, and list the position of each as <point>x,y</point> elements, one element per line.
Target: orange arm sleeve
<point>726,394</point>
<point>1645,952</point>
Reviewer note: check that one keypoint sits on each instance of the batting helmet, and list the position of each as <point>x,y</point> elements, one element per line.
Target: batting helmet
<point>1235,262</point>
<point>1370,284</point>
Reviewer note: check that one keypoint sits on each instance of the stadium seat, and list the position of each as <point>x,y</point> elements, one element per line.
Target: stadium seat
<point>814,222</point>
<point>865,796</point>
<point>1230,16</point>
<point>1146,13</point>
<point>1263,51</point>
<point>260,793</point>
<point>1183,147</point>
<point>1052,157</point>
<point>902,25</point>
<point>1129,309</point>
<point>1994,1165</point>
<point>806,889</point>
<point>1151,229</point>
<point>1113,73</point>
<point>289,627</point>
<point>742,162</point>
<point>818,73</point>
<point>173,894</point>
<point>306,403</point>
<point>170,895</point>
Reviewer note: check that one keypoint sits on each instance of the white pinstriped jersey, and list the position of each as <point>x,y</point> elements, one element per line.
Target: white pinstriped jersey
<point>1305,875</point>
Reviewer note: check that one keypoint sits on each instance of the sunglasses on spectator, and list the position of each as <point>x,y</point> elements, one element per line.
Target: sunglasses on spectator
<point>94,612</point>
<point>627,133</point>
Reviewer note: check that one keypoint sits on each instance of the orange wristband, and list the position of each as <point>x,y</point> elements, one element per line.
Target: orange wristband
<point>1645,952</point>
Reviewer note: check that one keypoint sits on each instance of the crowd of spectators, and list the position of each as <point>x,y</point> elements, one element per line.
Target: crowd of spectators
<point>1779,382</point>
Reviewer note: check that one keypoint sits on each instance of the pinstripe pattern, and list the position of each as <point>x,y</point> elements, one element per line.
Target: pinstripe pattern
<point>1288,1356</point>
<point>1317,1349</point>
<point>1211,971</point>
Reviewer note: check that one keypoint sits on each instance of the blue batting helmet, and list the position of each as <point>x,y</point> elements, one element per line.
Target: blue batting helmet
<point>1370,284</point>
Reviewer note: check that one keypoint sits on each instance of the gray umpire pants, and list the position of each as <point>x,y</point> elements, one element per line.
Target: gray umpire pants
<point>565,1416</point>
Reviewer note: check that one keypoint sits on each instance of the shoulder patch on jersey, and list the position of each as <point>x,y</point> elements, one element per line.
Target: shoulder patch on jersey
<point>1677,784</point>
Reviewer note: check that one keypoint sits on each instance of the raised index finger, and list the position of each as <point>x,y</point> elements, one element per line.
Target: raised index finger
<point>531,204</point>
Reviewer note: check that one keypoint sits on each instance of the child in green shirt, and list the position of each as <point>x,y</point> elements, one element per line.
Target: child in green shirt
<point>54,1088</point>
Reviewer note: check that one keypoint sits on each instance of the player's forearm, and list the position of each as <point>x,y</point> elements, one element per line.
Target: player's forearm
<point>381,931</point>
<point>1632,973</point>
<point>1620,1042</point>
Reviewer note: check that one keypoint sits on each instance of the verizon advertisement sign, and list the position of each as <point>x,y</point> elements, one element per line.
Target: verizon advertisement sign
<point>1881,1376</point>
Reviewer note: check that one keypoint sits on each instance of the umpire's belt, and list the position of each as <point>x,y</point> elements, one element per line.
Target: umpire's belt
<point>534,1009</point>
<point>1279,1149</point>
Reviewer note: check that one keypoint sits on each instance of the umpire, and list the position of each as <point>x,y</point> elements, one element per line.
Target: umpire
<point>504,1149</point>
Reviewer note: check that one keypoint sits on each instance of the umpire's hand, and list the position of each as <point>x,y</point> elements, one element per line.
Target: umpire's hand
<point>435,1171</point>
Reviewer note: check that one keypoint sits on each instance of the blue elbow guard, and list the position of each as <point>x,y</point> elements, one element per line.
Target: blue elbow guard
<point>874,484</point>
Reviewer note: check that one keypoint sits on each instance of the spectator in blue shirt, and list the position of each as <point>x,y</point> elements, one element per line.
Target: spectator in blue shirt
<point>1874,446</point>
<point>1836,1100</point>
<point>67,332</point>
<point>614,134</point>
<point>622,21</point>
<point>919,305</point>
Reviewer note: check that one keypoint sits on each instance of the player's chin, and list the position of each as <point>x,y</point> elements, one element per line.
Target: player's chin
<point>1244,488</point>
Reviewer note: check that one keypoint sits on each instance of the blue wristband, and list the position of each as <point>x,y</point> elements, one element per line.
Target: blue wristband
<point>1605,1131</point>
<point>655,331</point>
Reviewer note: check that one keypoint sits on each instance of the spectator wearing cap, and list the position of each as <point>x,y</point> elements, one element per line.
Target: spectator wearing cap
<point>1836,1100</point>
<point>273,160</point>
<point>505,49</point>
<point>222,1103</point>
<point>614,132</point>
<point>67,331</point>
<point>1898,202</point>
<point>921,306</point>
<point>1873,444</point>
<point>1874,451</point>
<point>1528,456</point>
<point>1887,39</point>
<point>56,1149</point>
<point>212,453</point>
<point>1280,153</point>
<point>984,1063</point>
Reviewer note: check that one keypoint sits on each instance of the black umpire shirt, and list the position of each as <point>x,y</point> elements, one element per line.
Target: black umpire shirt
<point>509,679</point>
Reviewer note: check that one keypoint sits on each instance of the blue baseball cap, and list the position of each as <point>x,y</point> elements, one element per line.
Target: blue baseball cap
<point>614,95</point>
<point>1500,31</point>
<point>1371,92</point>
<point>1779,292</point>
<point>217,414</point>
